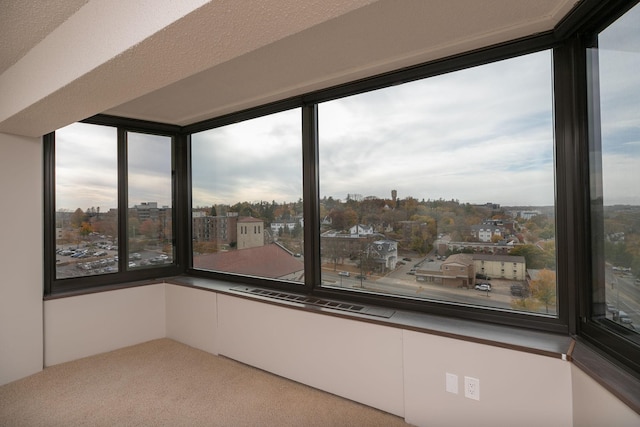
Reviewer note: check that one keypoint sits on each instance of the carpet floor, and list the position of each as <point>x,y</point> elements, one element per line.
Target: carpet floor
<point>165,383</point>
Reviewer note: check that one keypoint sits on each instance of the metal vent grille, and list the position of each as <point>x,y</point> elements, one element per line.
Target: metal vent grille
<point>304,299</point>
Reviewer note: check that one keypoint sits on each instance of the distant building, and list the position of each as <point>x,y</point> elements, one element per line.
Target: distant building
<point>456,271</point>
<point>384,254</point>
<point>501,266</point>
<point>229,230</point>
<point>290,225</point>
<point>147,210</point>
<point>270,261</point>
<point>502,247</point>
<point>220,229</point>
<point>489,228</point>
<point>250,232</point>
<point>527,215</point>
<point>361,230</point>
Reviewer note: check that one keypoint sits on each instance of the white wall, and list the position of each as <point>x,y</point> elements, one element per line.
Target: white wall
<point>356,360</point>
<point>89,324</point>
<point>192,317</point>
<point>516,388</point>
<point>20,257</point>
<point>594,406</point>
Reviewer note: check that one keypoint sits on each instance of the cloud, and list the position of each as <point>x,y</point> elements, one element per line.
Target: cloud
<point>149,166</point>
<point>478,135</point>
<point>86,167</point>
<point>619,91</point>
<point>259,159</point>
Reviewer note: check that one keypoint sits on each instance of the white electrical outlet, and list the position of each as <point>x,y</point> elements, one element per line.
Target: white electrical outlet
<point>472,388</point>
<point>452,383</point>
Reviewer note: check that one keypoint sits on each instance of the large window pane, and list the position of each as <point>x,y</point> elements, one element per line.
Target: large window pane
<point>443,188</point>
<point>150,200</point>
<point>247,198</point>
<point>615,174</point>
<point>86,178</point>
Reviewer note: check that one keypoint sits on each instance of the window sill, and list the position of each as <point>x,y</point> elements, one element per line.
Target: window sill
<point>536,342</point>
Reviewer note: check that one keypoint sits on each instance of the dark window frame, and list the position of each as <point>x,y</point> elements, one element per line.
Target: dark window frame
<point>607,337</point>
<point>568,40</point>
<point>54,286</point>
<point>309,104</point>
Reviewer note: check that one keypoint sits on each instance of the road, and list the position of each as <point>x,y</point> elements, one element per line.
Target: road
<point>398,282</point>
<point>623,293</point>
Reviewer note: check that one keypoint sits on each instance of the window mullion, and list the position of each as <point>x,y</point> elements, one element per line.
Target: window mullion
<point>123,239</point>
<point>311,195</point>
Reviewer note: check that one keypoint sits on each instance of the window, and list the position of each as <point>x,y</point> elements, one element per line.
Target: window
<point>86,176</point>
<point>423,167</point>
<point>614,157</point>
<point>102,177</point>
<point>411,190</point>
<point>150,195</point>
<point>247,179</point>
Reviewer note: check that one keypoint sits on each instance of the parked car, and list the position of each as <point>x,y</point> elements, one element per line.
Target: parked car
<point>361,277</point>
<point>517,290</point>
<point>406,259</point>
<point>344,273</point>
<point>483,287</point>
<point>624,317</point>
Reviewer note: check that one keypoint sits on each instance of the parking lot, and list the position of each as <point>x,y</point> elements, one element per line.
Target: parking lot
<point>101,259</point>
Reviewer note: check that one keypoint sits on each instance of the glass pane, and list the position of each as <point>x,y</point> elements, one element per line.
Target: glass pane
<point>86,200</point>
<point>443,188</point>
<point>615,166</point>
<point>247,198</point>
<point>150,200</point>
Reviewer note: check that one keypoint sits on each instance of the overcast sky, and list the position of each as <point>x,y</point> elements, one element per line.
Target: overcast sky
<point>619,57</point>
<point>480,135</point>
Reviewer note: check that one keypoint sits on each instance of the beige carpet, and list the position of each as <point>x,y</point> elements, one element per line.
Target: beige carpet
<point>165,383</point>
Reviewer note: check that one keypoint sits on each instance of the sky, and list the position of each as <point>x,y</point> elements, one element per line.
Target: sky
<point>479,135</point>
<point>619,65</point>
<point>87,172</point>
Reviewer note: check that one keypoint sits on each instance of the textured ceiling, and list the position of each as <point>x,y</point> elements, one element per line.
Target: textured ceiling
<point>184,62</point>
<point>383,36</point>
<point>24,23</point>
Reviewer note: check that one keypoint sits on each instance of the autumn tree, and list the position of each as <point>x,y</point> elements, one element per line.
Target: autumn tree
<point>535,257</point>
<point>134,227</point>
<point>342,219</point>
<point>148,228</point>
<point>77,218</point>
<point>335,250</point>
<point>86,229</point>
<point>525,304</point>
<point>205,247</point>
<point>543,288</point>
